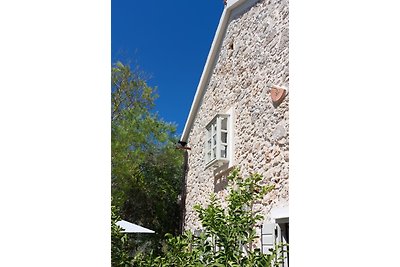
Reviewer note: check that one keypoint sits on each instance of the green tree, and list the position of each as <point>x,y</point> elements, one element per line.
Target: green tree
<point>146,166</point>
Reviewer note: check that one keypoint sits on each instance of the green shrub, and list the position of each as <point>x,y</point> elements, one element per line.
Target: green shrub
<point>227,233</point>
<point>119,251</point>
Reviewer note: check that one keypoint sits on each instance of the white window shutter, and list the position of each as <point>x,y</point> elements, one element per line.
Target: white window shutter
<point>268,236</point>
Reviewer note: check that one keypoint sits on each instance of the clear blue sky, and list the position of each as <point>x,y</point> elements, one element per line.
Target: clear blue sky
<point>170,41</point>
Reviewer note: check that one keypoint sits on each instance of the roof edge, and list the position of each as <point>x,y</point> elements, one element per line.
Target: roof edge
<point>222,26</point>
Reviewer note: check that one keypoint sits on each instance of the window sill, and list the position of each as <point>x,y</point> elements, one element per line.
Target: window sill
<point>216,163</point>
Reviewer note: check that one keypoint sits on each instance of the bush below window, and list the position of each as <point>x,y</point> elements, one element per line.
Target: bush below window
<point>227,234</point>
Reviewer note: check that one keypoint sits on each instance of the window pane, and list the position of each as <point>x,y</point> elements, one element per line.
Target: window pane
<point>224,137</point>
<point>224,151</point>
<point>224,124</point>
<point>214,153</point>
<point>214,140</point>
<point>208,144</point>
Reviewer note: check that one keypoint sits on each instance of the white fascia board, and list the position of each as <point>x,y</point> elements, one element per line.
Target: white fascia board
<point>231,4</point>
<point>222,26</point>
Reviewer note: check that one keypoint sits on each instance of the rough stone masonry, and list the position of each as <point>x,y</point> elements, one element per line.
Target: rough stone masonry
<point>254,54</point>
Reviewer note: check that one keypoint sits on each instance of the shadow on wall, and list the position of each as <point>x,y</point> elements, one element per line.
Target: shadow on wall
<point>221,177</point>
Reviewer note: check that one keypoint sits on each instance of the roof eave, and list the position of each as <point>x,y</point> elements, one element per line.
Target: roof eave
<point>222,26</point>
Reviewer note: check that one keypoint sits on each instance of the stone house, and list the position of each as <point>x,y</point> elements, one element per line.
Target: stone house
<point>240,115</point>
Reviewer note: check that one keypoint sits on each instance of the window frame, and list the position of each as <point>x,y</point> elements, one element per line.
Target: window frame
<point>274,233</point>
<point>214,129</point>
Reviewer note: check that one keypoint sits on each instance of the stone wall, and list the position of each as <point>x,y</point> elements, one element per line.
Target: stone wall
<point>254,54</point>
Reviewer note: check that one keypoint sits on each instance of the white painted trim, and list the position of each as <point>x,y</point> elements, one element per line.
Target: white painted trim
<point>232,4</point>
<point>217,121</point>
<point>229,3</point>
<point>279,213</point>
<point>231,137</point>
<point>222,26</point>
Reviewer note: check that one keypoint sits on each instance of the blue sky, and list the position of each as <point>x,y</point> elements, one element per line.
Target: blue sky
<point>170,41</point>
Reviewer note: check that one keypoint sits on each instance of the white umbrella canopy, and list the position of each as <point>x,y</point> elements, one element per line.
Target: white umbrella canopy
<point>129,227</point>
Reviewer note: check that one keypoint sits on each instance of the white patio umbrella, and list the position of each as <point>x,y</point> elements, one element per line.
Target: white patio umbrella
<point>129,227</point>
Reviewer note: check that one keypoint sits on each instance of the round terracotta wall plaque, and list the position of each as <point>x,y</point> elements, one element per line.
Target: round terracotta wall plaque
<point>277,95</point>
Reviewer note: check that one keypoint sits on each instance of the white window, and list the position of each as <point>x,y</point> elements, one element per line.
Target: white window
<point>217,140</point>
<point>273,234</point>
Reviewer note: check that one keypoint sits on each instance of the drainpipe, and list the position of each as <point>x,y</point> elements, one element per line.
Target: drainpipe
<point>182,146</point>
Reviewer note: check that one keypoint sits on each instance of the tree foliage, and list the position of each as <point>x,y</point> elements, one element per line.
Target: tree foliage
<point>146,167</point>
<point>227,233</point>
<point>119,250</point>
